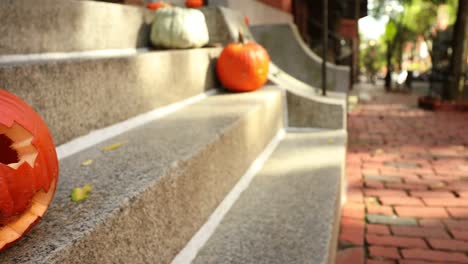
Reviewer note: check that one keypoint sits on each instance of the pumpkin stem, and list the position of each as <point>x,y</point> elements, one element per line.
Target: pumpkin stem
<point>241,36</point>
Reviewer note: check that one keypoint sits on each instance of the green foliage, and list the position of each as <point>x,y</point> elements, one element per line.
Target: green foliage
<point>420,16</point>
<point>379,7</point>
<point>390,31</point>
<point>416,18</point>
<point>372,58</point>
<point>452,8</point>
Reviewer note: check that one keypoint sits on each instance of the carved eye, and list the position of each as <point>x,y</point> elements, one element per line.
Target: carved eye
<point>16,146</point>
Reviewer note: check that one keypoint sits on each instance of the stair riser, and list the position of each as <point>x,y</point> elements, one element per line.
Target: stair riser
<point>224,25</point>
<point>257,12</point>
<point>78,96</point>
<point>58,26</point>
<point>159,223</point>
<point>307,113</point>
<point>67,25</point>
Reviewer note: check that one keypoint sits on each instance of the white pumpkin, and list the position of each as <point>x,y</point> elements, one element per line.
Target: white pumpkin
<point>179,28</point>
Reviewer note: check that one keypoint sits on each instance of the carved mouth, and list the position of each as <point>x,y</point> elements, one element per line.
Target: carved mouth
<point>16,146</point>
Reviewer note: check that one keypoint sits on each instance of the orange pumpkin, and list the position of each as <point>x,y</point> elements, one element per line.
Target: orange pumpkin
<point>243,67</point>
<point>157,5</point>
<point>194,3</point>
<point>28,168</point>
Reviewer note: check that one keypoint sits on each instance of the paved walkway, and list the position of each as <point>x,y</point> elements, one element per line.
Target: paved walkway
<point>407,172</point>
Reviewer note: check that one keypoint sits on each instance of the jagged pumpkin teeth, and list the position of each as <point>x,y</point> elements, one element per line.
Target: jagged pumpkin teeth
<point>38,209</point>
<point>42,198</point>
<point>28,168</point>
<point>18,133</point>
<point>27,153</point>
<point>25,143</point>
<point>23,223</point>
<point>7,235</point>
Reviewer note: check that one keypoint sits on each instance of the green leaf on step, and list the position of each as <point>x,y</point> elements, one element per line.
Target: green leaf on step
<point>81,194</point>
<point>112,147</point>
<point>88,188</point>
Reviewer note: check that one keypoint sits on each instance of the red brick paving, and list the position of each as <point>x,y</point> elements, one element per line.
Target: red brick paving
<point>459,234</point>
<point>374,261</point>
<point>405,162</point>
<point>395,241</point>
<point>379,209</point>
<point>448,244</point>
<point>425,232</point>
<point>458,212</point>
<point>384,252</point>
<point>434,255</point>
<point>421,211</point>
<point>350,255</point>
<point>378,229</point>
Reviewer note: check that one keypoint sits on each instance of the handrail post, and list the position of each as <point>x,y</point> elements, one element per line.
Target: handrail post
<point>325,47</point>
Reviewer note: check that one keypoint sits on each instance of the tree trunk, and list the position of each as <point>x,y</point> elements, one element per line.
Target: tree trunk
<point>400,56</point>
<point>388,77</point>
<point>458,60</point>
<point>354,69</point>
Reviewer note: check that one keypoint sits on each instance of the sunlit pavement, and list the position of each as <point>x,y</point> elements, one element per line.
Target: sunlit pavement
<point>407,173</point>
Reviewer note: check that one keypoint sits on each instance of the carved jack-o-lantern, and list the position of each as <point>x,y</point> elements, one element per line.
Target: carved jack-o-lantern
<point>28,168</point>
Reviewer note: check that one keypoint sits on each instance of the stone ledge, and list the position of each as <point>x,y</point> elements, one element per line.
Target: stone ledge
<point>80,95</point>
<point>307,108</point>
<point>290,53</point>
<point>68,25</point>
<point>291,210</point>
<point>153,193</point>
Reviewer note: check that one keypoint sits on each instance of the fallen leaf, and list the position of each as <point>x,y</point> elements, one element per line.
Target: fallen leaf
<point>81,194</point>
<point>112,147</point>
<point>87,163</point>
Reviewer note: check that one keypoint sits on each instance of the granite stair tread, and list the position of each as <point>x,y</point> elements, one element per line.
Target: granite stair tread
<point>110,88</point>
<point>290,211</point>
<point>153,192</point>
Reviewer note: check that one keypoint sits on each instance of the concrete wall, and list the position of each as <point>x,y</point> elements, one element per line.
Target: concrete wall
<point>285,5</point>
<point>291,54</point>
<point>224,25</point>
<point>68,25</point>
<point>257,12</point>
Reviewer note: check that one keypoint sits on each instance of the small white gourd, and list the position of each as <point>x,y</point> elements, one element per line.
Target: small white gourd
<point>179,28</point>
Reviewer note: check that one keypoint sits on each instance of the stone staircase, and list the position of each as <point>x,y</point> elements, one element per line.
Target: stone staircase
<point>193,174</point>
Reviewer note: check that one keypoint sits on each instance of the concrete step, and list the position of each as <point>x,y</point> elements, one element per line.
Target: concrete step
<point>291,53</point>
<point>306,105</point>
<point>257,12</point>
<point>154,192</point>
<point>224,24</point>
<point>81,92</point>
<point>62,26</point>
<point>290,212</point>
<point>70,25</point>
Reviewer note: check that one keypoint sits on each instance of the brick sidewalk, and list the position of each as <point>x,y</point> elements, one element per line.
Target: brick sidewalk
<point>407,173</point>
